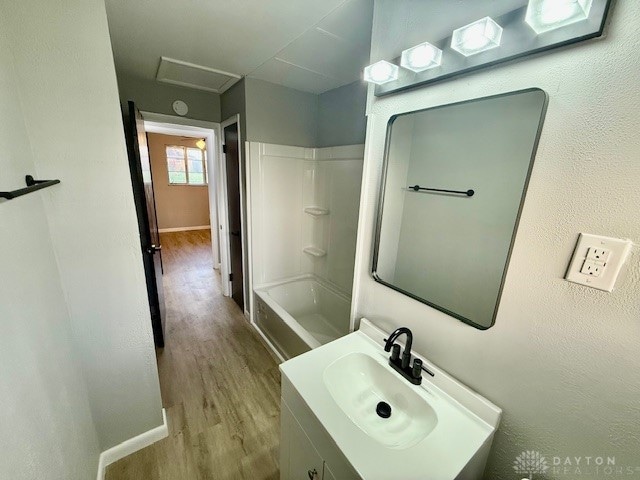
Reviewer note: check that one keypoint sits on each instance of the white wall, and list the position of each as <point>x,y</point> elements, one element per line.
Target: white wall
<point>67,86</point>
<point>45,416</point>
<point>562,359</point>
<point>276,183</point>
<point>337,172</point>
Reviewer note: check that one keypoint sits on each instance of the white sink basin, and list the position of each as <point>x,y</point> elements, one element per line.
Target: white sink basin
<point>358,383</point>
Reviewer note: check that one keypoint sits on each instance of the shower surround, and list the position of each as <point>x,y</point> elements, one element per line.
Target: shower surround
<point>303,208</point>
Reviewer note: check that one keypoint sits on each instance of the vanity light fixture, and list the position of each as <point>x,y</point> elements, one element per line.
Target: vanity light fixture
<point>381,72</point>
<point>421,57</point>
<point>477,37</point>
<point>530,27</point>
<point>546,15</point>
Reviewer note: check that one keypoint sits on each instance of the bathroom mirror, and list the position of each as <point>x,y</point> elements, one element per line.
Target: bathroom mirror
<point>453,185</point>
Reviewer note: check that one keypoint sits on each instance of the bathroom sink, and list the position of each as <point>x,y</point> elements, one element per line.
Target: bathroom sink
<point>345,394</point>
<point>364,388</point>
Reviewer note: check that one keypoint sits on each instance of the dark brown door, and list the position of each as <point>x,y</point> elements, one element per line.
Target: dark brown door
<point>141,181</point>
<point>234,205</point>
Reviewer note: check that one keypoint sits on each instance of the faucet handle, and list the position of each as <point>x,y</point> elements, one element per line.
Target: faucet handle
<point>416,371</point>
<point>395,352</point>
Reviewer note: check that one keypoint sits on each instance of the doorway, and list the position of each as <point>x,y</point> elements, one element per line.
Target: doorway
<point>198,147</point>
<point>182,188</point>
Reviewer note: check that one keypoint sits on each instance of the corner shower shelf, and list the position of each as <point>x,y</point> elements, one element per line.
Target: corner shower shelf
<point>316,211</point>
<point>314,251</point>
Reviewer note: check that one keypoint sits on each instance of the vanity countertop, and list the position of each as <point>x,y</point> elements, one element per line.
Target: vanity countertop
<point>465,420</point>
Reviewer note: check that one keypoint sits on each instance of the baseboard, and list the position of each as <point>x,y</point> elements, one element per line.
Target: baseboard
<point>132,445</point>
<point>184,229</point>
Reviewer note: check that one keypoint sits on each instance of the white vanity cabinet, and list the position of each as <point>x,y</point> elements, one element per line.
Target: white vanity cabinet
<point>306,450</point>
<point>303,460</point>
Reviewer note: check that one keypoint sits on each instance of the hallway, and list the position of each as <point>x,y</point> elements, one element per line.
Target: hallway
<point>220,386</point>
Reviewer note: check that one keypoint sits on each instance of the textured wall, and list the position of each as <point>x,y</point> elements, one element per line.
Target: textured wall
<point>341,115</point>
<point>153,96</point>
<point>45,416</point>
<point>177,205</point>
<point>70,101</point>
<point>562,359</point>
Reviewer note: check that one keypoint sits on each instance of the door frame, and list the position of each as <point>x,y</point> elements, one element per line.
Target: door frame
<point>210,131</point>
<point>224,215</point>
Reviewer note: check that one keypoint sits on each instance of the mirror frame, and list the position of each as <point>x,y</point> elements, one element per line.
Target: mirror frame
<point>381,192</point>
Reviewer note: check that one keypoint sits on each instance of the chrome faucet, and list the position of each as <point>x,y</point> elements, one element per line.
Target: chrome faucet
<point>401,364</point>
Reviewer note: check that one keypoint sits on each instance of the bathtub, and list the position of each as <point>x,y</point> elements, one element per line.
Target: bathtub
<point>301,313</point>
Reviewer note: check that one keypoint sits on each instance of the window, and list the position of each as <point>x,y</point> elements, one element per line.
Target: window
<point>186,165</point>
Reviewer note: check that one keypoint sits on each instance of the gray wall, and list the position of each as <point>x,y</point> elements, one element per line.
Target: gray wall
<point>153,96</point>
<point>46,419</point>
<point>234,102</point>
<point>280,115</point>
<point>68,91</point>
<point>562,359</point>
<point>342,116</point>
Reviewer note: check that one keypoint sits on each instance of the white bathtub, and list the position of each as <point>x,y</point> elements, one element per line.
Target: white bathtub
<point>302,313</point>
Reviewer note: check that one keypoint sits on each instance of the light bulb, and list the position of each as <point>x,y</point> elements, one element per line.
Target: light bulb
<point>474,38</point>
<point>477,37</point>
<point>421,57</point>
<point>547,15</point>
<point>381,72</point>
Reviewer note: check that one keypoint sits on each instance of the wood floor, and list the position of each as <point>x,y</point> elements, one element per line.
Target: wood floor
<point>220,386</point>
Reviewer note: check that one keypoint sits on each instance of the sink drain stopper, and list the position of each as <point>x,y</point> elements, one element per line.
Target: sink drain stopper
<point>383,409</point>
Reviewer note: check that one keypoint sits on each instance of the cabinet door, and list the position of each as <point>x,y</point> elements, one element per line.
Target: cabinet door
<point>299,459</point>
<point>305,462</point>
<point>327,474</point>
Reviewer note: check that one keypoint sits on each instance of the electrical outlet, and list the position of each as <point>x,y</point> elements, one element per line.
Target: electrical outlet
<point>597,261</point>
<point>599,255</point>
<point>591,268</point>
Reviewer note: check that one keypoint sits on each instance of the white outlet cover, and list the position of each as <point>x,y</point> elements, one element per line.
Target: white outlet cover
<point>617,252</point>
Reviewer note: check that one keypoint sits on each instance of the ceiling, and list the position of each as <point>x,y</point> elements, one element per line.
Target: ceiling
<point>308,45</point>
